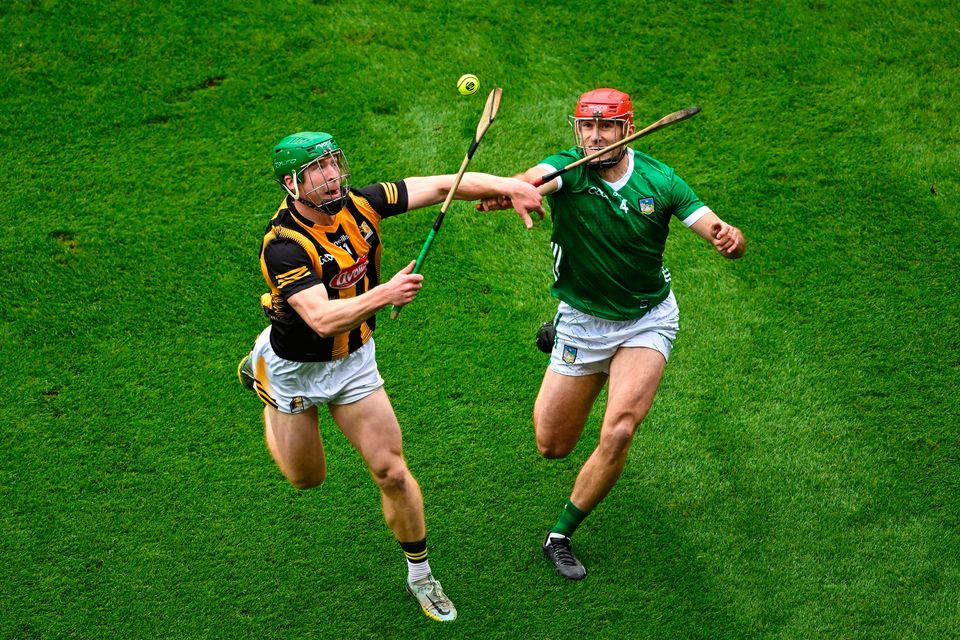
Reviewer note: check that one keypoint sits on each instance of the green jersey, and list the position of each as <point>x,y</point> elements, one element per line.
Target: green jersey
<point>608,238</point>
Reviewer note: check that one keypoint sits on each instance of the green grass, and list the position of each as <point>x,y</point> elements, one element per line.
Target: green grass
<point>797,477</point>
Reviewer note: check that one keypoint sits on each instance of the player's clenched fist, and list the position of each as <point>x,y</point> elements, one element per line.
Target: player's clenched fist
<point>728,240</point>
<point>403,287</point>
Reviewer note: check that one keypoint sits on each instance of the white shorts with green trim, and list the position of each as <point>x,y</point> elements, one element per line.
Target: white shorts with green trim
<point>294,387</point>
<point>585,344</point>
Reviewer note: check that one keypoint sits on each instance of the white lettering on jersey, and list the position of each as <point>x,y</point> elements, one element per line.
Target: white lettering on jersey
<point>344,243</point>
<point>349,277</point>
<point>594,191</point>
<point>597,192</point>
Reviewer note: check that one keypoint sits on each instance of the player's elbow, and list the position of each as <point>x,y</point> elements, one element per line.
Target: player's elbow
<point>324,329</point>
<point>321,324</point>
<point>320,317</point>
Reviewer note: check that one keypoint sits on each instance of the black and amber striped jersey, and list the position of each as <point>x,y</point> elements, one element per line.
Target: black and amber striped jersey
<point>344,257</point>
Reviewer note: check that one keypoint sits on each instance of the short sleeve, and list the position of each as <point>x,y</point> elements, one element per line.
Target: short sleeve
<point>289,267</point>
<point>683,201</point>
<point>385,198</point>
<point>559,161</point>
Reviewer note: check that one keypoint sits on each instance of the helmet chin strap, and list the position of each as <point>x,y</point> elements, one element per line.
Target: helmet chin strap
<point>329,207</point>
<point>608,163</point>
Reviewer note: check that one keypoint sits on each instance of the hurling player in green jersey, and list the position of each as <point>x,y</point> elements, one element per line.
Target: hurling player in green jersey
<point>617,316</point>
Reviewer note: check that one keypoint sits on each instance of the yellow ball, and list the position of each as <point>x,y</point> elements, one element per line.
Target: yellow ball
<point>468,84</point>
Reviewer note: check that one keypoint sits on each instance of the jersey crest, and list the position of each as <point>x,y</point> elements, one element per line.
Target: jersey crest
<point>366,230</point>
<point>647,206</point>
<point>296,404</point>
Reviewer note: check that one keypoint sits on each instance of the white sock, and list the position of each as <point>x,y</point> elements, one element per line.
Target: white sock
<point>417,570</point>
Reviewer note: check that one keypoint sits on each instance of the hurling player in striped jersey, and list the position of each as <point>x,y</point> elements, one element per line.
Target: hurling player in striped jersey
<point>320,257</point>
<point>617,316</point>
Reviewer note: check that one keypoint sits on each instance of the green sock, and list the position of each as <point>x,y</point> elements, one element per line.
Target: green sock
<point>570,519</point>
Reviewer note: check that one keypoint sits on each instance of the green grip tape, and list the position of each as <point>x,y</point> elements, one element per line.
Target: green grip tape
<point>424,249</point>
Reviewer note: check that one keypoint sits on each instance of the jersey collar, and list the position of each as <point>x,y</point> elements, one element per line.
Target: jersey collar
<point>310,224</point>
<point>616,186</point>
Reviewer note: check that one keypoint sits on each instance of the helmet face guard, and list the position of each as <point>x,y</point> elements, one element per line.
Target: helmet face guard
<point>602,105</point>
<point>602,162</point>
<point>318,170</point>
<point>322,183</point>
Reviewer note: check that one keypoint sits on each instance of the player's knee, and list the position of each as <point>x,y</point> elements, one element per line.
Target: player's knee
<point>392,478</point>
<point>553,448</point>
<point>307,480</point>
<point>556,434</point>
<point>554,439</point>
<point>552,452</point>
<point>615,441</point>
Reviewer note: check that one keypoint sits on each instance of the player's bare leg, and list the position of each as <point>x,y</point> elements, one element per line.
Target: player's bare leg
<point>561,410</point>
<point>559,415</point>
<point>635,375</point>
<point>294,442</point>
<point>372,428</point>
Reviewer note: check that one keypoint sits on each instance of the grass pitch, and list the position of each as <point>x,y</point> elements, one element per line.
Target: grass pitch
<point>797,476</point>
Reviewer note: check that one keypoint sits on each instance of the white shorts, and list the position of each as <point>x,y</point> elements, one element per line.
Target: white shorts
<point>585,344</point>
<point>294,387</point>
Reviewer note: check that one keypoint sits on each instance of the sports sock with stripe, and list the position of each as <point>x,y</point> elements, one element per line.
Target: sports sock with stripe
<point>570,519</point>
<point>417,564</point>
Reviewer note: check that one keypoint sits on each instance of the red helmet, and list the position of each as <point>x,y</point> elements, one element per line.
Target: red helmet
<point>603,104</point>
<point>606,104</point>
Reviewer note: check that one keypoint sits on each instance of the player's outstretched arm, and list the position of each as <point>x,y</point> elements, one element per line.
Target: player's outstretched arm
<point>725,238</point>
<point>333,317</point>
<point>522,196</point>
<point>531,175</point>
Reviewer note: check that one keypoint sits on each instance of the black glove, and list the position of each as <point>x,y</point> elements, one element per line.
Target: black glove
<point>546,336</point>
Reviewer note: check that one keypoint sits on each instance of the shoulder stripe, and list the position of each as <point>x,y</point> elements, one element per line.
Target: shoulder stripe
<point>391,192</point>
<point>291,276</point>
<point>299,238</point>
<point>279,231</point>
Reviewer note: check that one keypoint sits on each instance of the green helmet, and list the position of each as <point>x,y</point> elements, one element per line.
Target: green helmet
<point>291,157</point>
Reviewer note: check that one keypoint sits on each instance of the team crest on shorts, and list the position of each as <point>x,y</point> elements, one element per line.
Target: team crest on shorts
<point>296,404</point>
<point>647,205</point>
<point>569,354</point>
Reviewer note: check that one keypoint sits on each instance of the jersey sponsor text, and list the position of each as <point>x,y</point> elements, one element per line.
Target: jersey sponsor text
<point>349,277</point>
